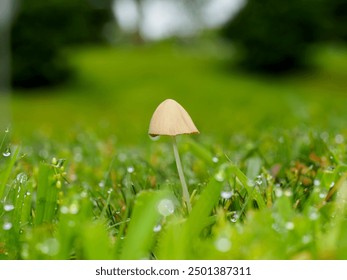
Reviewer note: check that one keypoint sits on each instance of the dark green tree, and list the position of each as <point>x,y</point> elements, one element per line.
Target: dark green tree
<point>43,28</point>
<point>338,20</point>
<point>274,36</point>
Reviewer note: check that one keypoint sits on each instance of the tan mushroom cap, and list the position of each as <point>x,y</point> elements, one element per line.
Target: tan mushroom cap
<point>170,118</point>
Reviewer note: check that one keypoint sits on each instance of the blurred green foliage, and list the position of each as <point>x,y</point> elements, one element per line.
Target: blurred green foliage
<point>338,20</point>
<point>277,36</point>
<point>274,36</point>
<point>43,28</point>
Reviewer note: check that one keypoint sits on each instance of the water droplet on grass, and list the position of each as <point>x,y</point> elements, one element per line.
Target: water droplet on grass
<point>289,225</point>
<point>222,244</point>
<point>234,217</point>
<point>306,239</point>
<point>154,138</point>
<point>220,176</point>
<point>122,157</point>
<point>259,180</point>
<point>215,159</point>
<point>339,139</point>
<point>84,194</point>
<point>22,178</point>
<point>7,130</point>
<point>316,182</point>
<point>226,194</point>
<point>288,193</point>
<point>49,247</point>
<point>73,209</point>
<point>8,207</point>
<point>278,192</point>
<point>166,207</point>
<point>314,215</point>
<point>130,169</point>
<point>157,228</point>
<point>101,184</point>
<point>7,152</point>
<point>64,210</point>
<point>7,226</point>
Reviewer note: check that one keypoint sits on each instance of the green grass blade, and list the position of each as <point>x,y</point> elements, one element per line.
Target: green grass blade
<point>140,235</point>
<point>44,199</point>
<point>252,192</point>
<point>199,217</point>
<point>7,173</point>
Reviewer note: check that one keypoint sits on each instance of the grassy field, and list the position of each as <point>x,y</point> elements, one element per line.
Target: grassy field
<point>80,178</point>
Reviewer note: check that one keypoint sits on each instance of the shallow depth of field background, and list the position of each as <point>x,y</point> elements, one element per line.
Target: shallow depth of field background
<point>265,84</point>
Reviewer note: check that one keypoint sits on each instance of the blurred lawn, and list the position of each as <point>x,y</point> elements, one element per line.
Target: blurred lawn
<point>117,90</point>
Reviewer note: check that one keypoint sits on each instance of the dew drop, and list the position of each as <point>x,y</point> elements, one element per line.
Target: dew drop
<point>314,215</point>
<point>322,195</point>
<point>215,159</point>
<point>289,225</point>
<point>226,194</point>
<point>316,182</point>
<point>339,139</point>
<point>78,157</point>
<point>157,228</point>
<point>259,180</point>
<point>278,192</point>
<point>8,207</point>
<point>325,136</point>
<point>166,207</point>
<point>49,247</point>
<point>22,178</point>
<point>7,130</point>
<point>122,157</point>
<point>101,184</point>
<point>130,169</point>
<point>276,227</point>
<point>64,210</point>
<point>234,217</point>
<point>7,152</point>
<point>84,194</point>
<point>306,239</point>
<point>222,244</point>
<point>73,209</point>
<point>288,193</point>
<point>154,138</point>
<point>220,176</point>
<point>7,226</point>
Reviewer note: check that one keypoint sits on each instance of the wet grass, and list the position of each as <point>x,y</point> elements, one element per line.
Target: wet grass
<point>80,179</point>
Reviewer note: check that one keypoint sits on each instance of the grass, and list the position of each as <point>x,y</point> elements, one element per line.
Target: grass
<point>267,175</point>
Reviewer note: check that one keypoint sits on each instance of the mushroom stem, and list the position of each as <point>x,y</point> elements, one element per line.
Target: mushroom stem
<point>186,196</point>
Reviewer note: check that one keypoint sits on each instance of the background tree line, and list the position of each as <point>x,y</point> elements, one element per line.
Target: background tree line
<point>271,35</point>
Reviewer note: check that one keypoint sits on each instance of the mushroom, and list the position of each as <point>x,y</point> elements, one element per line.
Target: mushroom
<point>171,119</point>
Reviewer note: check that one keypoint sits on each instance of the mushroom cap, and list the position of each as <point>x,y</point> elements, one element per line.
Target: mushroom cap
<point>170,118</point>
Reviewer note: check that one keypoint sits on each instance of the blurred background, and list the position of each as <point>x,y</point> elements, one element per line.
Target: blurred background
<point>238,66</point>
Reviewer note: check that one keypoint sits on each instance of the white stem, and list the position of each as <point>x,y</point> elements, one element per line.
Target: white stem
<point>186,196</point>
